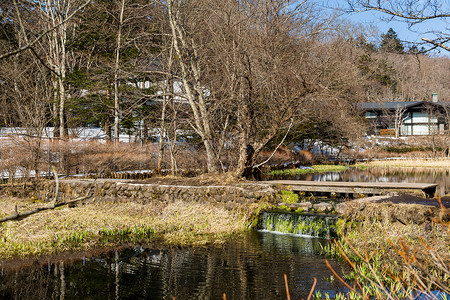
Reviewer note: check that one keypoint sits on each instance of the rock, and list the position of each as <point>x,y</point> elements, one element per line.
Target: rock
<point>323,207</point>
<point>305,205</point>
<point>342,208</point>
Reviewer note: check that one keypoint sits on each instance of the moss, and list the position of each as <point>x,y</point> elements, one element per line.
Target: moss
<point>283,208</point>
<point>289,197</point>
<point>340,225</point>
<point>298,224</point>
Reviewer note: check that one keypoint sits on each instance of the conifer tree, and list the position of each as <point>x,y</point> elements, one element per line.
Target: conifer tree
<point>391,43</point>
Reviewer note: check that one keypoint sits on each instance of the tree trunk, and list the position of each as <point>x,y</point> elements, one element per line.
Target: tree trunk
<point>55,111</point>
<point>197,103</point>
<point>168,98</point>
<point>116,75</point>
<point>107,117</point>
<point>246,161</point>
<point>107,127</point>
<point>62,103</point>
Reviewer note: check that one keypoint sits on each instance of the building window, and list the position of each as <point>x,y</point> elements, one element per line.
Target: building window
<point>420,117</point>
<point>421,130</point>
<point>406,130</point>
<point>371,115</point>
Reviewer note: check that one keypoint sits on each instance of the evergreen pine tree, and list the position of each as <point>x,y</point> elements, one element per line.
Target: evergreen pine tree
<point>391,43</point>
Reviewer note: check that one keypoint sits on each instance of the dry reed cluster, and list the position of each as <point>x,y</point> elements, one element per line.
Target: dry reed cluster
<point>393,261</point>
<point>26,157</point>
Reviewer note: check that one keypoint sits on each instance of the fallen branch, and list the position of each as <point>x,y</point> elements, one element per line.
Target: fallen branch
<point>21,215</point>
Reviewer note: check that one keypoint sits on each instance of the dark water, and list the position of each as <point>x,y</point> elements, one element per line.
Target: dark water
<point>440,176</point>
<point>252,267</point>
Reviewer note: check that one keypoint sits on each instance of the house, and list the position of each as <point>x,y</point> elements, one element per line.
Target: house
<point>406,118</point>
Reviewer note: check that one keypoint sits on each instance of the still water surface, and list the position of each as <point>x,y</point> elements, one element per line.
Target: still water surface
<point>251,267</point>
<point>441,176</point>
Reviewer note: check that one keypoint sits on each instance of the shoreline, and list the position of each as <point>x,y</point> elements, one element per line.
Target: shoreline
<point>443,163</point>
<point>171,212</point>
<point>117,213</point>
<point>174,217</point>
<point>91,226</point>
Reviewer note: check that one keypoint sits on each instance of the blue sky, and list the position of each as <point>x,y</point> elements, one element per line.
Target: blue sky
<point>383,22</point>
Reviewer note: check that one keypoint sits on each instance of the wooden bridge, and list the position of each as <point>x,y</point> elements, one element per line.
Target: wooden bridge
<point>355,188</point>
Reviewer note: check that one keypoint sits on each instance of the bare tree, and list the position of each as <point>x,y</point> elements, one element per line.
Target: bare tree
<point>186,49</point>
<point>53,18</point>
<point>272,63</point>
<point>412,12</point>
<point>27,108</point>
<point>30,43</point>
<point>399,117</point>
<point>247,68</point>
<point>121,5</point>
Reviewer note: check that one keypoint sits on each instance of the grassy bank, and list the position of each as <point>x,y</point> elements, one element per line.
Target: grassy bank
<point>104,224</point>
<point>394,260</point>
<point>313,169</point>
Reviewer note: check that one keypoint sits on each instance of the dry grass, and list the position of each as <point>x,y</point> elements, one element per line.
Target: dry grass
<point>378,236</point>
<point>86,226</point>
<point>393,260</point>
<point>23,157</point>
<point>416,163</point>
<point>199,224</point>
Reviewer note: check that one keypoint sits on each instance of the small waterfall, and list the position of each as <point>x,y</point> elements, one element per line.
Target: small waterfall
<point>314,225</point>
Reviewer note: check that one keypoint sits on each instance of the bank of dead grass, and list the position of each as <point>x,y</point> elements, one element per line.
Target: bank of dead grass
<point>394,260</point>
<point>409,163</point>
<point>82,227</point>
<point>380,236</point>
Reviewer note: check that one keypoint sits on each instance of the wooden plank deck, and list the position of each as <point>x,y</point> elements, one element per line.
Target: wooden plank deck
<point>366,188</point>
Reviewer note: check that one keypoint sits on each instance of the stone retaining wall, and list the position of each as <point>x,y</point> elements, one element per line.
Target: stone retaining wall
<point>120,190</point>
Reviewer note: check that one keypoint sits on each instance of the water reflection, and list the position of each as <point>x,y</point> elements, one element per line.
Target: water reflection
<point>247,268</point>
<point>440,176</point>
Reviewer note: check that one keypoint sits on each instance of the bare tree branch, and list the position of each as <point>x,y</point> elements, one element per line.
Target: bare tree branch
<point>436,43</point>
<point>30,44</point>
<point>274,151</point>
<point>411,12</point>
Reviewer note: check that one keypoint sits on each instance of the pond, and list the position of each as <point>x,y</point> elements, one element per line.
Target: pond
<point>249,267</point>
<point>440,176</point>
